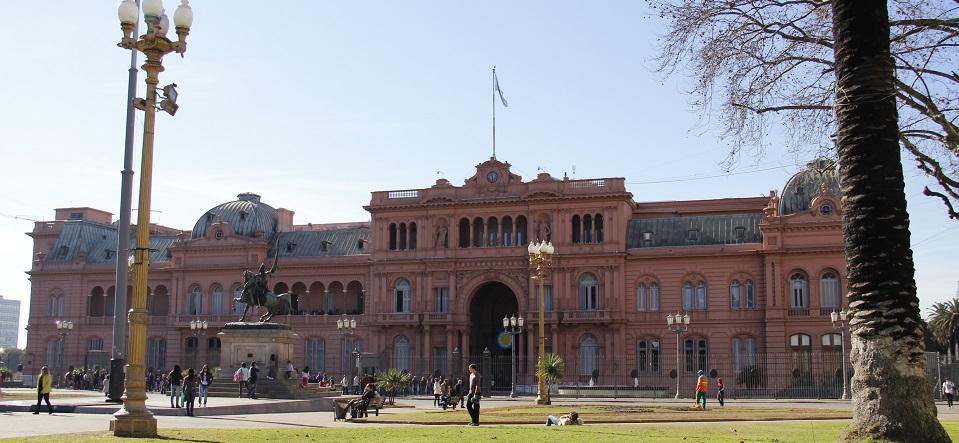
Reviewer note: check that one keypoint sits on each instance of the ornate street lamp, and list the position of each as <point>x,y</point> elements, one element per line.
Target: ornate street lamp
<point>839,322</point>
<point>513,327</point>
<point>197,328</point>
<point>541,257</point>
<point>64,328</point>
<point>678,324</point>
<point>134,419</point>
<point>347,327</point>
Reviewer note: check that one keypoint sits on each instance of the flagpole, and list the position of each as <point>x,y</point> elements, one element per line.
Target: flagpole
<point>494,111</point>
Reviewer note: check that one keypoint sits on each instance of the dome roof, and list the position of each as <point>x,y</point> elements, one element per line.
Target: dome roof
<point>806,184</point>
<point>246,215</point>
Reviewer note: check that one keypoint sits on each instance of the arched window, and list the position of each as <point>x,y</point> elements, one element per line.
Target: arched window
<point>95,302</point>
<point>156,353</point>
<point>315,353</point>
<point>831,342</point>
<point>801,346</point>
<point>800,291</point>
<point>735,295</point>
<point>647,353</point>
<point>701,295</point>
<point>217,301</point>
<point>694,295</point>
<point>401,291</point>
<point>688,295</point>
<point>696,353</point>
<point>412,238</point>
<point>161,301</point>
<point>587,228</point>
<point>744,352</point>
<point>654,296</point>
<point>588,356</point>
<point>829,290</point>
<point>194,302</point>
<point>402,236</point>
<point>598,221</point>
<point>238,306</point>
<point>478,232</point>
<point>464,233</point>
<point>641,294</point>
<point>577,229</point>
<point>588,292</point>
<point>392,236</point>
<point>800,342</point>
<point>521,238</point>
<point>750,295</point>
<point>109,303</point>
<point>507,231</point>
<point>401,353</point>
<point>53,353</point>
<point>94,344</point>
<point>55,305</point>
<point>492,235</point>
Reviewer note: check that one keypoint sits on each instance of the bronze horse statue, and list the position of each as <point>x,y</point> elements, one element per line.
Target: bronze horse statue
<point>256,292</point>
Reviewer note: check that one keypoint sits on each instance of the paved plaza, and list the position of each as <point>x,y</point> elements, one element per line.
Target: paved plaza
<point>96,416</point>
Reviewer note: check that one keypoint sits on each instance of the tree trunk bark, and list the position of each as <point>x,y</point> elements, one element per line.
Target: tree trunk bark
<point>892,398</point>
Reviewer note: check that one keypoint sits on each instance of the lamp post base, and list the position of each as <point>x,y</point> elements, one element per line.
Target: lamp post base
<point>116,380</point>
<point>542,401</point>
<point>126,424</point>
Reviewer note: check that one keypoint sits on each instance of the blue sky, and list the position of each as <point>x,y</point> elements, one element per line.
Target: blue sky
<point>314,105</point>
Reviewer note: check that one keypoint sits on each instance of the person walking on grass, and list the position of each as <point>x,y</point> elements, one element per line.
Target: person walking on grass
<point>949,388</point>
<point>44,386</point>
<point>702,386</point>
<point>473,399</point>
<point>721,392</point>
<point>176,380</point>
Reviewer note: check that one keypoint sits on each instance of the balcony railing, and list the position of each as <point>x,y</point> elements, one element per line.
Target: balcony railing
<point>799,312</point>
<point>826,312</point>
<point>397,318</point>
<point>586,316</point>
<point>436,317</point>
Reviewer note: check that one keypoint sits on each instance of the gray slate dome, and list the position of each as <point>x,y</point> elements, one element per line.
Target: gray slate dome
<point>246,215</point>
<point>804,186</point>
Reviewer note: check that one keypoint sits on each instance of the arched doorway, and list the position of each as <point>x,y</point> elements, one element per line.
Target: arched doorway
<point>490,303</point>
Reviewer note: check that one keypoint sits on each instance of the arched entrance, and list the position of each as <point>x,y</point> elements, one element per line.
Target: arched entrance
<point>490,303</point>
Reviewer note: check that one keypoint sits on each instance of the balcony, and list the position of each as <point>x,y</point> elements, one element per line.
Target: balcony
<point>436,318</point>
<point>586,316</point>
<point>799,312</point>
<point>532,318</point>
<point>397,318</point>
<point>826,312</point>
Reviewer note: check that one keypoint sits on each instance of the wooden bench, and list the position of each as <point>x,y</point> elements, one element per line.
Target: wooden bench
<point>375,404</point>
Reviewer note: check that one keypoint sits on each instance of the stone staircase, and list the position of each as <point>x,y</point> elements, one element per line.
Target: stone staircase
<point>280,388</point>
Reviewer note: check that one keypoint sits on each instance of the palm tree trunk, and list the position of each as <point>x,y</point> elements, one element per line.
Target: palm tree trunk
<point>892,399</point>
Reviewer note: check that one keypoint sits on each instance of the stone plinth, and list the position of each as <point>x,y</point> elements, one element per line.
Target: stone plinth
<point>246,342</point>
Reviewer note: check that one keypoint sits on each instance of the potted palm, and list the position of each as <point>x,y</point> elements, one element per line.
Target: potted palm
<point>551,368</point>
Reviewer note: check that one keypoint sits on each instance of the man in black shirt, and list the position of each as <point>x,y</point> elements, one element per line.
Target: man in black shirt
<point>251,382</point>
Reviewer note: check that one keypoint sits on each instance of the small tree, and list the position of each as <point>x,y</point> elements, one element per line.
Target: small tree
<point>552,369</point>
<point>392,380</point>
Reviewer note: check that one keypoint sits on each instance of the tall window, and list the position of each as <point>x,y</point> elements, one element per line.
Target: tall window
<point>402,236</point>
<point>577,229</point>
<point>507,231</point>
<point>801,346</point>
<point>598,221</point>
<point>831,342</point>
<point>696,353</point>
<point>654,296</point>
<point>799,290</point>
<point>829,289</point>
<point>464,233</point>
<point>694,295</point>
<point>94,344</point>
<point>750,295</point>
<point>161,301</point>
<point>402,296</point>
<point>55,305</point>
<point>238,306</point>
<point>521,230</point>
<point>413,235</point>
<point>588,355</point>
<point>401,353</point>
<point>588,292</point>
<point>194,304</point>
<point>156,353</point>
<point>439,360</point>
<point>315,354</point>
<point>647,352</point>
<point>442,299</point>
<point>492,234</point>
<point>744,352</point>
<point>587,228</point>
<point>647,297</point>
<point>548,298</point>
<point>392,236</point>
<point>95,302</point>
<point>53,353</point>
<point>641,297</point>
<point>735,295</point>
<point>217,301</point>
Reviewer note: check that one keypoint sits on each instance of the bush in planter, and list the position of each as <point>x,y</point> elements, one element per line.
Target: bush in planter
<point>551,368</point>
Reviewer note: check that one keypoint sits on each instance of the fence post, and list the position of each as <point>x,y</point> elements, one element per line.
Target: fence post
<point>487,373</point>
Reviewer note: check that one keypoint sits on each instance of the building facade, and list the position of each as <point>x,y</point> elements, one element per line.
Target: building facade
<point>9,322</point>
<point>432,274</point>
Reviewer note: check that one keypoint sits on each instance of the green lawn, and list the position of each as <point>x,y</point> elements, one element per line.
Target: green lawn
<point>810,431</point>
<point>593,414</point>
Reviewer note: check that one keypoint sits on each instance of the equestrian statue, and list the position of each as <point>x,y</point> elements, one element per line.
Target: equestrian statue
<point>256,293</point>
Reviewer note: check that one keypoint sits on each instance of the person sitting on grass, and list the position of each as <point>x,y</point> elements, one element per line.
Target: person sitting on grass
<point>570,419</point>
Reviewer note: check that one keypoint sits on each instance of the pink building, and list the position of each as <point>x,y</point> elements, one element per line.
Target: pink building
<point>433,273</point>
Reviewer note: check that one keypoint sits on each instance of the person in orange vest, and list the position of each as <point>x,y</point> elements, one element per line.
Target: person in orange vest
<point>702,385</point>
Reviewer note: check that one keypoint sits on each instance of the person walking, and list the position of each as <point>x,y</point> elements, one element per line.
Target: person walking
<point>702,386</point>
<point>44,386</point>
<point>251,381</point>
<point>949,388</point>
<point>460,389</point>
<point>176,381</point>
<point>241,376</point>
<point>473,399</point>
<point>437,390</point>
<point>345,384</point>
<point>189,391</point>
<point>206,379</point>
<point>721,392</point>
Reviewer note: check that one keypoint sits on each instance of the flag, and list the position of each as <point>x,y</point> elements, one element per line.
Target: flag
<point>498,90</point>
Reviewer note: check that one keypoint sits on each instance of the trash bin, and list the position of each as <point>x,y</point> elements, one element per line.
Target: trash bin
<point>340,408</point>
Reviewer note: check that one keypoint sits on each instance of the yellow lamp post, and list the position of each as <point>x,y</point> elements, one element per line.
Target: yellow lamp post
<point>541,257</point>
<point>134,419</point>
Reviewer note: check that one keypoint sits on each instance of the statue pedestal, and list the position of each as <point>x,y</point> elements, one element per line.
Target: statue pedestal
<point>245,342</point>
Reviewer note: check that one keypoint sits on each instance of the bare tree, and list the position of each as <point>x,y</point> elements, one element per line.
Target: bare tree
<point>762,62</point>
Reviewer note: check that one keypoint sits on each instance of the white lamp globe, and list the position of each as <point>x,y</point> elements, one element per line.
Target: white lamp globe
<point>152,8</point>
<point>127,11</point>
<point>183,16</point>
<point>532,248</point>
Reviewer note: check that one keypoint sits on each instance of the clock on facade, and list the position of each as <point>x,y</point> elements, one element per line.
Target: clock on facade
<point>492,176</point>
